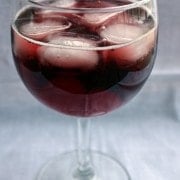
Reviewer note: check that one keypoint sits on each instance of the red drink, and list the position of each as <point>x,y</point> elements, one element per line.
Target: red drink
<point>84,64</point>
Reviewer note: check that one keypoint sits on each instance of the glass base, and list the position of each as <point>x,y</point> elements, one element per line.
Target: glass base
<point>64,167</point>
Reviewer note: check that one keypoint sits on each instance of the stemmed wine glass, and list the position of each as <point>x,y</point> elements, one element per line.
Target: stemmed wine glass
<point>84,58</point>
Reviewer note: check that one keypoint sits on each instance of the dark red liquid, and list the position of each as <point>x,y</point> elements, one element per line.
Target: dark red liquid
<point>81,82</point>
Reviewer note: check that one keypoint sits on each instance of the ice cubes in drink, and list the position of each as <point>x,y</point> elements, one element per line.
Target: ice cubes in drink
<point>135,52</point>
<point>121,33</point>
<point>134,38</point>
<point>96,19</point>
<point>71,52</point>
<point>43,26</point>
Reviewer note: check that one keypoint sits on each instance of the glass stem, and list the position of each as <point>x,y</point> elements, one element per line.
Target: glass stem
<point>84,170</point>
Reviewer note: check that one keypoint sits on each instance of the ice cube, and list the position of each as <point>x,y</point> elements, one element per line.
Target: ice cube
<point>38,30</point>
<point>121,33</point>
<point>133,52</point>
<point>97,19</point>
<point>71,53</point>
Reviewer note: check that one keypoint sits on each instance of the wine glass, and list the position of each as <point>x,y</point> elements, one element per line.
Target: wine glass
<point>84,58</point>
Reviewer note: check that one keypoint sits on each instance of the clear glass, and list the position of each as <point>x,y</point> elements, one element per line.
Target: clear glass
<point>84,58</point>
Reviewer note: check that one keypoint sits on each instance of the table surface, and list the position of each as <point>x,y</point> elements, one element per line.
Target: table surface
<point>144,134</point>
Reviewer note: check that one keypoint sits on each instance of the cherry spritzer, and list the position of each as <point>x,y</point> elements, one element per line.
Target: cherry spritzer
<point>82,63</point>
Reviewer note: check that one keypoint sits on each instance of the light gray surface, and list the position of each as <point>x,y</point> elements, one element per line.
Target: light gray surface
<point>144,134</point>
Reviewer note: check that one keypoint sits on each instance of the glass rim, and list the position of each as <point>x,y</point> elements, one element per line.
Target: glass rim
<point>133,4</point>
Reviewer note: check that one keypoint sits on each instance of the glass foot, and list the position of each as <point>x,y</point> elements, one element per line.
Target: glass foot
<point>64,167</point>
